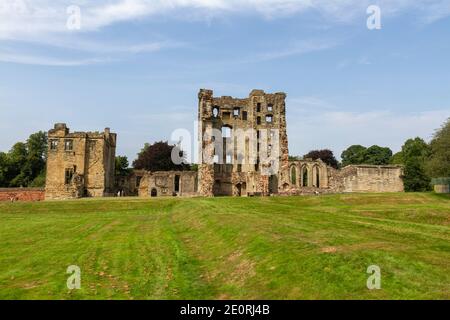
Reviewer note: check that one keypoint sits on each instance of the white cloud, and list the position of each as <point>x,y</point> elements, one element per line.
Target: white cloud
<point>297,48</point>
<point>48,61</point>
<point>25,18</point>
<point>314,123</point>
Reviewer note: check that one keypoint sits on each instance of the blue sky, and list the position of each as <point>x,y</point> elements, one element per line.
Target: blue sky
<point>137,65</point>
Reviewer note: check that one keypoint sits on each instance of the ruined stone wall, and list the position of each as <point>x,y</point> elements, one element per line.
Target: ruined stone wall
<point>22,194</point>
<point>368,178</point>
<point>89,155</point>
<point>129,185</point>
<point>442,188</point>
<point>169,184</point>
<point>307,176</point>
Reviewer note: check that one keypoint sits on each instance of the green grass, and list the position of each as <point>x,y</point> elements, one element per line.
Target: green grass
<point>228,248</point>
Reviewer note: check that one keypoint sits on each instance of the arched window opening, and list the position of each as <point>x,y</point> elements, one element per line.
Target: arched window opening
<point>317,178</point>
<point>293,176</point>
<point>239,190</point>
<point>305,177</point>
<point>154,193</point>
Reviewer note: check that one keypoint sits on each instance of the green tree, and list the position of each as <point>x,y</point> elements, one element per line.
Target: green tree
<point>122,166</point>
<point>158,157</point>
<point>37,152</point>
<point>36,159</point>
<point>25,162</point>
<point>398,158</point>
<point>414,155</point>
<point>4,166</point>
<point>439,161</point>
<point>415,178</point>
<point>325,155</point>
<point>18,168</point>
<point>39,181</point>
<point>353,155</point>
<point>377,155</point>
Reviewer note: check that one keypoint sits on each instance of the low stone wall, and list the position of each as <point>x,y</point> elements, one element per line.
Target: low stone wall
<point>22,194</point>
<point>367,178</point>
<point>168,184</point>
<point>442,188</point>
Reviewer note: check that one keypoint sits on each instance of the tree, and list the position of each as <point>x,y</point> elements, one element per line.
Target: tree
<point>325,155</point>
<point>158,157</point>
<point>377,155</point>
<point>353,155</point>
<point>24,165</point>
<point>122,166</point>
<point>439,161</point>
<point>397,158</point>
<point>37,152</point>
<point>414,155</point>
<point>18,169</point>
<point>4,170</point>
<point>415,178</point>
<point>36,159</point>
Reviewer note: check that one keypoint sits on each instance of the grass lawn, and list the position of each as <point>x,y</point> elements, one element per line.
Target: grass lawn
<point>228,248</point>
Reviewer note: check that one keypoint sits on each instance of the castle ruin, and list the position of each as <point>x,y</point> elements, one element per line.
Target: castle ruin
<point>243,151</point>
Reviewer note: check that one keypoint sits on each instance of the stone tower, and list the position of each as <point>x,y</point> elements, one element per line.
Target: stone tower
<point>80,163</point>
<point>243,144</point>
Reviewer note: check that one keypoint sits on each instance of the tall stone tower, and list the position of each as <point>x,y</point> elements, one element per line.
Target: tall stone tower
<point>243,144</point>
<point>80,164</point>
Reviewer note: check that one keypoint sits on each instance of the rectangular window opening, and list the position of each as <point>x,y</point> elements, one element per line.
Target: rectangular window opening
<point>68,176</point>
<point>53,144</point>
<point>68,145</point>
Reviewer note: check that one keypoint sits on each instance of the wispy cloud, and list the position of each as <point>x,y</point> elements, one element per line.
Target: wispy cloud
<point>49,61</point>
<point>361,61</point>
<point>294,49</point>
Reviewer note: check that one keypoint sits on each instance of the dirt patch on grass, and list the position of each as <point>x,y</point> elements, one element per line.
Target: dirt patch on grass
<point>362,246</point>
<point>385,199</point>
<point>241,268</point>
<point>328,250</point>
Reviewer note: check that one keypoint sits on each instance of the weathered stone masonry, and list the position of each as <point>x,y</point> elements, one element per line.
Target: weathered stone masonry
<point>235,173</point>
<point>80,164</point>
